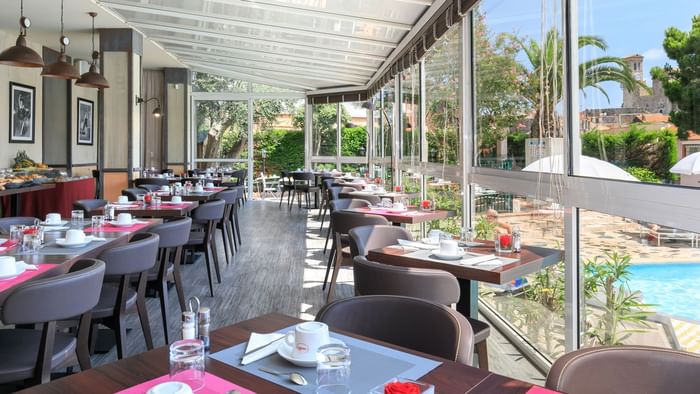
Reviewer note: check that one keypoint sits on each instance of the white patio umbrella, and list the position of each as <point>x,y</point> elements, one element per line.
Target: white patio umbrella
<point>589,166</point>
<point>689,165</point>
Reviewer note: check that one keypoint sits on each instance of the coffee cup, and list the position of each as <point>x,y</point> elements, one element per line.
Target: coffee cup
<point>398,206</point>
<point>122,199</point>
<point>178,184</point>
<point>124,218</point>
<point>176,199</point>
<point>75,236</point>
<point>387,203</point>
<point>165,188</point>
<point>53,218</point>
<point>449,247</point>
<point>307,338</point>
<point>210,184</point>
<point>7,265</point>
<point>198,188</point>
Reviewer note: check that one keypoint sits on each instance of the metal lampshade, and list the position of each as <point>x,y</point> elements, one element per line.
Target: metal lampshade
<point>157,112</point>
<point>21,55</point>
<point>93,79</point>
<point>60,69</point>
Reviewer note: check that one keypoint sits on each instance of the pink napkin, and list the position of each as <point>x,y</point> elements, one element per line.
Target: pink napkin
<point>212,384</point>
<point>122,206</point>
<point>24,276</point>
<point>214,189</point>
<point>540,390</point>
<point>172,205</point>
<point>108,228</point>
<point>7,245</point>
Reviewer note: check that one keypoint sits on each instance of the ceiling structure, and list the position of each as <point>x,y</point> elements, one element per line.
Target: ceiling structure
<point>296,44</point>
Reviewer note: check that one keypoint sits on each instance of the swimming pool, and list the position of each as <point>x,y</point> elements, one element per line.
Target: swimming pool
<point>673,287</point>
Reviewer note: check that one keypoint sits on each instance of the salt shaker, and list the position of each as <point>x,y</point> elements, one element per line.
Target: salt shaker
<point>204,318</point>
<point>188,326</point>
<point>516,239</point>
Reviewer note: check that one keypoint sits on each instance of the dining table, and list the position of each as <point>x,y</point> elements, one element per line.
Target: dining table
<point>165,209</point>
<point>447,377</point>
<point>208,193</point>
<point>411,215</point>
<point>393,196</point>
<point>529,260</point>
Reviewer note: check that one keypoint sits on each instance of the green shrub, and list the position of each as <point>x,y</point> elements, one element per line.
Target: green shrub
<point>354,141</point>
<point>285,150</point>
<point>643,174</point>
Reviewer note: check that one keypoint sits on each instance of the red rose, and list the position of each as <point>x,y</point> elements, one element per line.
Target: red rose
<point>30,231</point>
<point>505,240</point>
<point>425,204</point>
<point>397,188</point>
<point>401,388</point>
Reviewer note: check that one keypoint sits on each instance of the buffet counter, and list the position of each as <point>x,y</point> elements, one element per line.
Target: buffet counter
<point>39,200</point>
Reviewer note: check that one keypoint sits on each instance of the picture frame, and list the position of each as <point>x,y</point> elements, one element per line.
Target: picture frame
<point>22,113</point>
<point>85,124</point>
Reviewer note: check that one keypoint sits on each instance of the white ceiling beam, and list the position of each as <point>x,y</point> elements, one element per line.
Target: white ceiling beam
<point>277,6</point>
<point>175,28</point>
<point>426,3</point>
<point>250,23</point>
<point>270,64</point>
<point>302,67</point>
<point>237,49</point>
<point>283,73</point>
<point>248,77</point>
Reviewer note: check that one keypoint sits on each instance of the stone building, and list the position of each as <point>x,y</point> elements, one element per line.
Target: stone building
<point>641,100</point>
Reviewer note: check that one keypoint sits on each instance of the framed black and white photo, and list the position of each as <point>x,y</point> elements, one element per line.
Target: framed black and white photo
<point>22,112</point>
<point>85,116</point>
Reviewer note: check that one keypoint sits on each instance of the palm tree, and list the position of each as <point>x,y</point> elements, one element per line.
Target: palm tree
<point>545,78</point>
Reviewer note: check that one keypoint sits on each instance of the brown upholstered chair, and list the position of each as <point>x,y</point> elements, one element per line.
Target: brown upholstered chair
<point>365,238</point>
<point>369,197</point>
<point>413,323</point>
<point>90,206</point>
<point>626,370</point>
<point>438,286</point>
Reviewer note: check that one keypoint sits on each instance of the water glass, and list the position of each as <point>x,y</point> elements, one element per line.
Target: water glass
<point>31,243</point>
<point>97,222</point>
<point>503,243</point>
<point>333,369</point>
<point>157,200</point>
<point>16,233</point>
<point>187,362</point>
<point>77,216</point>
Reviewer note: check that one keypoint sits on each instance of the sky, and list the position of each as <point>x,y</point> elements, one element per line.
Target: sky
<point>628,26</point>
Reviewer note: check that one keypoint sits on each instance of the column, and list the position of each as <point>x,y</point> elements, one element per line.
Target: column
<point>177,118</point>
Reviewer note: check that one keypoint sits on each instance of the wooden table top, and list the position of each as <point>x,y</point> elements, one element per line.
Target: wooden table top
<point>164,210</point>
<point>532,259</point>
<point>20,190</point>
<point>412,216</point>
<point>194,196</point>
<point>449,377</point>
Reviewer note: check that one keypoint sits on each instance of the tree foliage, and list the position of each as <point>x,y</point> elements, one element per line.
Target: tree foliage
<point>284,148</point>
<point>324,127</point>
<point>682,84</point>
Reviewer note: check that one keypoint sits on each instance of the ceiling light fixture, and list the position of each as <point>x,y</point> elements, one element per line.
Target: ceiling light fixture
<point>157,112</point>
<point>93,79</point>
<point>61,68</point>
<point>21,55</point>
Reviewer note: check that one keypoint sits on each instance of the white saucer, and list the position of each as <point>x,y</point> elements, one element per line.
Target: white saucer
<point>285,351</point>
<point>124,203</point>
<point>19,269</point>
<point>397,210</point>
<point>429,241</point>
<point>61,223</point>
<point>62,242</point>
<point>171,387</point>
<point>458,256</point>
<point>117,224</point>
<point>377,208</point>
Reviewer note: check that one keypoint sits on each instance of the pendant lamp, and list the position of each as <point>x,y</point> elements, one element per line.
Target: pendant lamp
<point>93,79</point>
<point>61,68</point>
<point>21,55</point>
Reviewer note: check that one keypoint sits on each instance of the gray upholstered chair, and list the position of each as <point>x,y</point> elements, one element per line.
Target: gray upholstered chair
<point>369,197</point>
<point>149,187</point>
<point>326,197</point>
<point>151,181</point>
<point>125,262</point>
<point>5,223</point>
<point>93,206</point>
<point>337,204</point>
<point>173,235</point>
<point>365,238</point>
<point>304,185</point>
<point>372,278</point>
<point>32,354</point>
<point>226,223</point>
<point>625,370</point>
<point>209,213</point>
<point>133,192</point>
<point>348,186</point>
<point>286,185</point>
<point>341,223</point>
<point>413,323</point>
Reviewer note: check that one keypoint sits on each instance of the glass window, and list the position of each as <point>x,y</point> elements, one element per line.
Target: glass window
<point>222,129</point>
<point>325,129</point>
<point>203,82</point>
<point>639,283</point>
<point>442,80</point>
<point>518,82</point>
<point>278,135</point>
<point>447,195</point>
<point>410,114</point>
<point>627,91</point>
<point>354,132</point>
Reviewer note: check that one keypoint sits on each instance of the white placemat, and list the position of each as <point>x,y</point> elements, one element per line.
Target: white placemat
<point>475,260</point>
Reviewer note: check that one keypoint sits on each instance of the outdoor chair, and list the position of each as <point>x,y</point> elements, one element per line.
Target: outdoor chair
<point>625,370</point>
<point>372,278</point>
<point>230,197</point>
<point>413,323</point>
<point>34,353</point>
<point>369,197</point>
<point>90,207</point>
<point>365,238</point>
<point>208,213</point>
<point>286,186</point>
<point>337,204</point>
<point>304,185</point>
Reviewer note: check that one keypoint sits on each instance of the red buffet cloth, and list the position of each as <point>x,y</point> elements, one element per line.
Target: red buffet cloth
<point>59,199</point>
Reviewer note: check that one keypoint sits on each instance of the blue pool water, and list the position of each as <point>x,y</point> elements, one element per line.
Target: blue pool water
<point>675,288</point>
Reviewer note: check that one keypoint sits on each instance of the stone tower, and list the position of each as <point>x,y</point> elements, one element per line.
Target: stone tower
<point>640,99</point>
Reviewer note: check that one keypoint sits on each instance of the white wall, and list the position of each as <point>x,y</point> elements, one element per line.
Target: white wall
<point>84,154</point>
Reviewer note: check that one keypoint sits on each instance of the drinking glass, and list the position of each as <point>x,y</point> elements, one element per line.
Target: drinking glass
<point>31,243</point>
<point>503,243</point>
<point>156,200</point>
<point>97,222</point>
<point>77,216</point>
<point>333,369</point>
<point>16,233</point>
<point>187,362</point>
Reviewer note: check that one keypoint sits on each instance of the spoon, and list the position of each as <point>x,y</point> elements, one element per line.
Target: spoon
<point>295,377</point>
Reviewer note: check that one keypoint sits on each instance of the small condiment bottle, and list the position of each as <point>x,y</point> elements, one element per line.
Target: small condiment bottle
<point>516,239</point>
<point>188,325</point>
<point>204,318</point>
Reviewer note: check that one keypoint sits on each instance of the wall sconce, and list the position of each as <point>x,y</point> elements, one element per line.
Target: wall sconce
<point>157,111</point>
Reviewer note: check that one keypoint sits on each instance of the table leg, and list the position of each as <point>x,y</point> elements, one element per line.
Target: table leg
<point>15,204</point>
<point>468,303</point>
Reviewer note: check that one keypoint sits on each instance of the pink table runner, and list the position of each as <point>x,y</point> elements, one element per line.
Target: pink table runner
<point>214,189</point>
<point>170,205</point>
<point>7,245</point>
<point>108,228</point>
<point>387,212</point>
<point>25,276</point>
<point>540,390</point>
<point>212,384</point>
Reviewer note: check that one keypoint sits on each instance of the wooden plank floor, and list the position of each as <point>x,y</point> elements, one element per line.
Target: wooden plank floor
<point>280,268</point>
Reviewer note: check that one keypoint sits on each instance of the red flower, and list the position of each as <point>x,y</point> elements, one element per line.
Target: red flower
<point>29,230</point>
<point>425,204</point>
<point>505,240</point>
<point>401,388</point>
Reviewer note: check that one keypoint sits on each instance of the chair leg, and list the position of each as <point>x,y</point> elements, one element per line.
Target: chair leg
<point>328,236</point>
<point>328,266</point>
<point>482,354</point>
<point>291,204</point>
<point>223,237</point>
<point>323,218</point>
<point>120,335</point>
<point>42,368</point>
<point>231,241</point>
<point>215,255</point>
<point>164,309</point>
<point>336,270</point>
<point>207,259</point>
<point>178,279</point>
<point>82,348</point>
<point>238,229</point>
<point>282,197</point>
<point>143,312</point>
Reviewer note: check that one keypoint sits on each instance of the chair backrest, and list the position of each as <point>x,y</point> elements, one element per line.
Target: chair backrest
<point>173,233</point>
<point>138,255</point>
<point>149,187</point>
<point>210,210</point>
<point>58,297</point>
<point>5,223</point>
<point>133,192</point>
<point>90,206</point>
<point>334,191</point>
<point>348,187</point>
<point>404,321</point>
<point>343,221</point>
<point>626,369</point>
<point>347,203</point>
<point>327,182</point>
<point>371,198</point>
<point>151,181</point>
<point>372,278</point>
<point>365,238</point>
<point>240,176</point>
<point>304,176</point>
<point>229,196</point>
